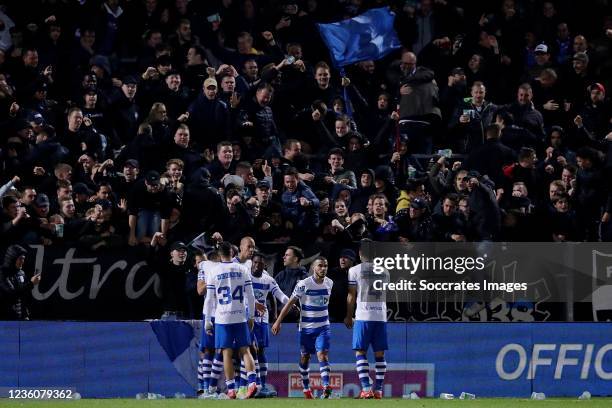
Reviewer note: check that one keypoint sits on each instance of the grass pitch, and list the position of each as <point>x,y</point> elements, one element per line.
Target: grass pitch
<point>299,403</point>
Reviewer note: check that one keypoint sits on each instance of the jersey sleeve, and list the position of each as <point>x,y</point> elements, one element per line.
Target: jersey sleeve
<point>277,293</point>
<point>299,291</point>
<point>352,277</point>
<point>250,296</point>
<point>210,303</point>
<point>201,272</point>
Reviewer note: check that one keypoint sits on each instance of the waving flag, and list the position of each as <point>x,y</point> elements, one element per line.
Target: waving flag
<point>368,36</point>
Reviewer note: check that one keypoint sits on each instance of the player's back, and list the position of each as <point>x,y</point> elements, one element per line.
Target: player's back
<point>371,303</point>
<point>229,280</point>
<point>314,301</point>
<point>204,270</point>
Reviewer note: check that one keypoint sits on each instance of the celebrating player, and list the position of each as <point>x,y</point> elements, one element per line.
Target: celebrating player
<point>226,291</point>
<point>209,369</point>
<point>370,325</point>
<point>263,284</point>
<point>313,294</point>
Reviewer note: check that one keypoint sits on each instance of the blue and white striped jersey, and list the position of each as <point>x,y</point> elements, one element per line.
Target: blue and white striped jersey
<point>314,301</point>
<point>229,294</point>
<point>262,286</point>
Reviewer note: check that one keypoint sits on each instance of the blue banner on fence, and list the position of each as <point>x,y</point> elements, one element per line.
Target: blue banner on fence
<point>507,360</point>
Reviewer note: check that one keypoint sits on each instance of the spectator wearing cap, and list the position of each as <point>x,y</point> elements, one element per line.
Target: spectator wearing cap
<point>40,214</point>
<point>93,107</point>
<point>578,78</point>
<point>121,182</point>
<point>339,274</point>
<point>149,208</point>
<point>471,118</point>
<point>173,268</point>
<point>173,94</point>
<point>209,116</point>
<point>593,120</point>
<point>492,156</point>
<point>543,60</point>
<point>415,225</point>
<point>82,194</point>
<point>124,110</point>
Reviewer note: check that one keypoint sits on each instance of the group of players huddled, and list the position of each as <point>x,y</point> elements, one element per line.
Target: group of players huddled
<point>235,327</point>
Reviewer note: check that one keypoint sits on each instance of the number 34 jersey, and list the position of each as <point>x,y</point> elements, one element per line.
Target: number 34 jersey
<point>229,294</point>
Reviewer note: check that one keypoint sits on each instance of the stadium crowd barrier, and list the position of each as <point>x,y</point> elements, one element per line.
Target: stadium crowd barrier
<point>107,360</point>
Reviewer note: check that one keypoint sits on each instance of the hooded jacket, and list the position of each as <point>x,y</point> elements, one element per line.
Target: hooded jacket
<point>14,286</point>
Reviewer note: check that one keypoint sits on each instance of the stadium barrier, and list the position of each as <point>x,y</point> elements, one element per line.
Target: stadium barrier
<point>105,360</point>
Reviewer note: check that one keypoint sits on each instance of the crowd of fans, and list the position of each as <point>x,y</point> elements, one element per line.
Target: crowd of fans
<point>123,119</point>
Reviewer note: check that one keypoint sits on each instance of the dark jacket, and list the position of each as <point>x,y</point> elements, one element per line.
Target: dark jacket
<point>423,99</point>
<point>289,277</point>
<point>14,286</point>
<point>485,216</point>
<point>303,218</point>
<point>528,117</point>
<point>210,121</point>
<point>473,133</point>
<point>489,159</point>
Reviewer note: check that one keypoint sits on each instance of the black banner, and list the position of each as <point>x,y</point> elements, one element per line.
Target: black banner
<point>79,284</point>
<point>119,285</point>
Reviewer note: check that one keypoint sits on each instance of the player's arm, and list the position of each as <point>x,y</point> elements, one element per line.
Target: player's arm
<point>350,298</point>
<point>350,305</point>
<point>284,312</point>
<point>250,298</point>
<point>210,304</point>
<point>278,294</point>
<point>201,287</point>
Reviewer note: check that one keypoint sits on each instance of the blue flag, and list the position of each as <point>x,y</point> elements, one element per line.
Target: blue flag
<point>368,36</point>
